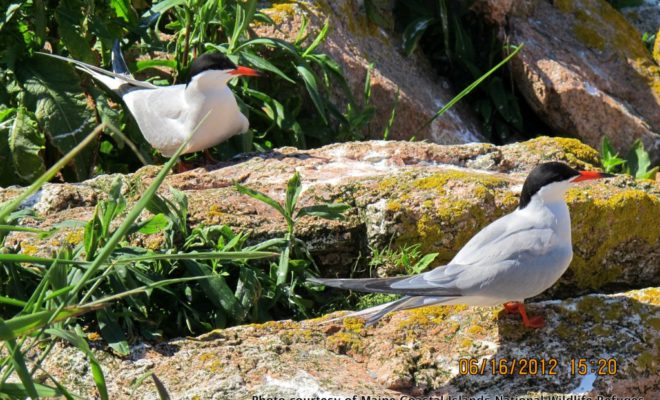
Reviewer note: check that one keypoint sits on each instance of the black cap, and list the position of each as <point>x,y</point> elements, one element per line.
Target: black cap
<point>209,61</point>
<point>543,175</point>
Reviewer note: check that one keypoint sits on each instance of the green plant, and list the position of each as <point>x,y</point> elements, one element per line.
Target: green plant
<point>407,259</point>
<point>295,258</point>
<point>465,50</point>
<point>124,288</point>
<point>637,162</point>
<point>45,106</point>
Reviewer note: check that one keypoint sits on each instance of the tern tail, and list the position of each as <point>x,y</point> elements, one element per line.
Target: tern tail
<point>118,63</point>
<point>116,82</point>
<point>374,314</point>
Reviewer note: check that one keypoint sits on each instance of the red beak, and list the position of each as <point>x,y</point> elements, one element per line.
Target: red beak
<point>589,175</point>
<point>244,71</point>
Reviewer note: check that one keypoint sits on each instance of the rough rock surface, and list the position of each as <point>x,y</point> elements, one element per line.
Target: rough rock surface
<point>416,352</point>
<point>401,193</point>
<point>355,42</point>
<point>572,51</point>
<point>645,16</point>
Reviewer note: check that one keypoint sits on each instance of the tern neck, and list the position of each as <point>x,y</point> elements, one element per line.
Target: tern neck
<point>551,193</point>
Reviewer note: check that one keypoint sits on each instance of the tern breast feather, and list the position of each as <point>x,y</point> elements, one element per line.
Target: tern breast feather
<point>160,114</point>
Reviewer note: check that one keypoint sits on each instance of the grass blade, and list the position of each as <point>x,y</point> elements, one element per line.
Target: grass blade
<point>81,344</point>
<point>18,362</point>
<point>470,88</point>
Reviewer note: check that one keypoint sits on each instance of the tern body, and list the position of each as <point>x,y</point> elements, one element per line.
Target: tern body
<point>204,107</point>
<point>514,258</point>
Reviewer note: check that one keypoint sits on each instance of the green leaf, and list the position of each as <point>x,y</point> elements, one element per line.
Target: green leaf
<point>72,32</point>
<point>423,263</point>
<point>264,198</point>
<point>81,344</point>
<point>638,160</point>
<point>413,32</point>
<point>124,10</point>
<point>18,362</point>
<point>215,288</point>
<point>293,189</point>
<point>53,91</point>
<point>162,391</point>
<point>146,64</point>
<point>112,332</point>
<point>318,39</point>
<point>326,211</point>
<point>470,88</point>
<point>163,6</point>
<point>26,142</point>
<point>313,90</point>
<point>248,290</point>
<point>19,391</point>
<point>8,175</point>
<point>610,159</point>
<point>155,224</point>
<point>264,65</point>
<point>283,266</point>
<point>25,324</point>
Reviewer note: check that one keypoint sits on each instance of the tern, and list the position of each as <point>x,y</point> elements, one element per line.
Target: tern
<point>514,258</point>
<point>167,115</point>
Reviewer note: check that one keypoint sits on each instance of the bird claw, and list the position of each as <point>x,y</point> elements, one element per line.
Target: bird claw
<point>535,322</point>
<point>514,307</point>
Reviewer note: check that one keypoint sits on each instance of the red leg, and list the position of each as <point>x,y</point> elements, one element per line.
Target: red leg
<point>533,322</point>
<point>209,158</point>
<point>511,307</point>
<point>182,166</point>
<point>529,322</point>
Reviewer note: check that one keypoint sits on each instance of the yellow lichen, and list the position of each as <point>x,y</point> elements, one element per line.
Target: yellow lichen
<point>649,296</point>
<point>75,237</point>
<point>345,342</point>
<point>656,47</point>
<point>475,330</point>
<point>599,26</point>
<point>393,206</point>
<point>353,324</point>
<point>573,151</point>
<point>29,249</point>
<point>279,12</point>
<point>424,316</point>
<point>621,217</point>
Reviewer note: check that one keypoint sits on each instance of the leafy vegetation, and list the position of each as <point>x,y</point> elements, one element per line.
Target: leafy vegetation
<point>199,279</point>
<point>637,162</point>
<point>295,258</point>
<point>46,108</point>
<point>464,49</point>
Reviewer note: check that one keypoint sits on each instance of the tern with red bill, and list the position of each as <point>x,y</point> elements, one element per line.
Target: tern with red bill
<point>514,258</point>
<point>167,115</point>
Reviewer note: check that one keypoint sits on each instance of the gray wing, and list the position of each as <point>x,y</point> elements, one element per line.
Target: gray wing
<point>500,266</point>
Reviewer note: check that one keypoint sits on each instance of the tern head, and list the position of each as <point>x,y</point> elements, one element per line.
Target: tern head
<point>549,182</point>
<point>211,68</point>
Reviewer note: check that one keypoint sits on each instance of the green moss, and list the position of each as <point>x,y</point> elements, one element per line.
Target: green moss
<point>345,342</point>
<point>353,324</point>
<point>654,323</point>
<point>573,151</point>
<point>599,26</point>
<point>425,316</point>
<point>647,362</point>
<point>619,219</point>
